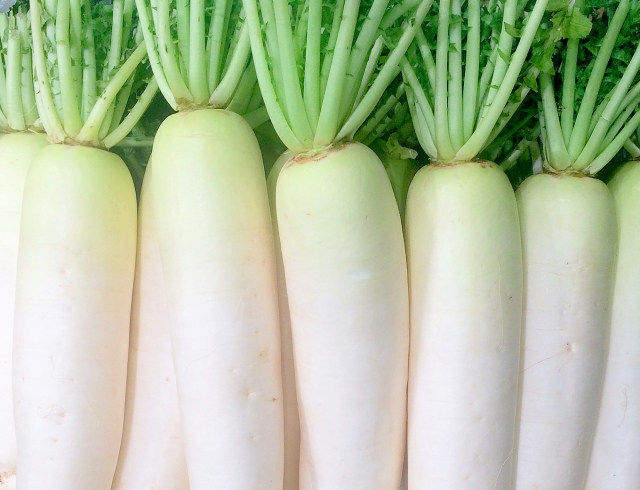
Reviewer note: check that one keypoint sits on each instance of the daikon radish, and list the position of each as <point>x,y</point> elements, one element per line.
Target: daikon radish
<point>76,254</point>
<point>16,154</point>
<point>75,276</point>
<point>569,237</point>
<point>615,457</point>
<point>340,233</point>
<point>464,250</point>
<point>152,452</point>
<point>216,246</point>
<point>18,146</point>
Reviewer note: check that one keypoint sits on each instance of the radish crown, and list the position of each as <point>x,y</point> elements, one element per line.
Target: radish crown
<point>18,111</point>
<point>324,65</point>
<point>599,111</point>
<point>200,54</point>
<point>462,98</point>
<point>86,57</point>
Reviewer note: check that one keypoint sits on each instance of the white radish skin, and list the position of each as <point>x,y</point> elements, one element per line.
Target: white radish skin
<point>218,259</point>
<point>75,276</point>
<point>569,243</point>
<point>465,269</point>
<point>346,277</point>
<point>17,151</point>
<point>152,453</point>
<point>615,457</point>
<point>291,418</point>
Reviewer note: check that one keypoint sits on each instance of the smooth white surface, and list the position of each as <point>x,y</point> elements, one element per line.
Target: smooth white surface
<point>346,276</point>
<point>16,154</point>
<point>465,267</point>
<point>73,300</point>
<point>152,454</point>
<point>615,457</point>
<point>218,259</point>
<point>569,242</point>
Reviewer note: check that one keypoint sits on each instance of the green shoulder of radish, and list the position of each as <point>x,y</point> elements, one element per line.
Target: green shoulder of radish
<point>77,246</point>
<point>323,69</point>
<point>588,101</point>
<point>216,249</point>
<point>20,139</point>
<point>469,70</point>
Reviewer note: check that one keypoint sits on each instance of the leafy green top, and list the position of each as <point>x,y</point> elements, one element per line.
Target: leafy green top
<point>18,110</point>
<point>199,52</point>
<point>599,108</point>
<point>87,57</point>
<point>463,97</point>
<point>324,65</point>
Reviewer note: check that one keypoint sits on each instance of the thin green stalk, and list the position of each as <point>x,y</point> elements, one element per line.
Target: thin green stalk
<point>557,149</point>
<point>330,108</point>
<point>427,56</point>
<point>520,148</point>
<point>632,148</point>
<point>255,101</point>
<point>619,123</point>
<point>15,114</point>
<point>509,111</point>
<point>28,95</point>
<point>385,124</point>
<point>599,133</point>
<point>90,131</point>
<point>76,48</point>
<point>273,48</point>
<point>485,80</point>
<point>386,75</point>
<point>398,11</point>
<point>507,136</point>
<point>89,92</point>
<point>223,93</point>
<point>267,86</point>
<point>218,27</point>
<point>422,132</point>
<point>472,69</point>
<point>47,107</point>
<point>331,46</point>
<point>4,33</point>
<point>183,18</point>
<point>197,53</point>
<point>479,137</point>
<point>419,95</point>
<point>360,53</point>
<point>568,88</point>
<point>505,45</point>
<point>312,63</point>
<point>614,147</point>
<point>293,95</point>
<point>136,112</point>
<point>583,120</point>
<point>441,106</point>
<point>378,115</point>
<point>456,110</point>
<point>241,97</point>
<point>372,62</point>
<point>70,110</point>
<point>257,117</point>
<point>119,108</point>
<point>168,55</point>
<point>115,50</point>
<point>144,23</point>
